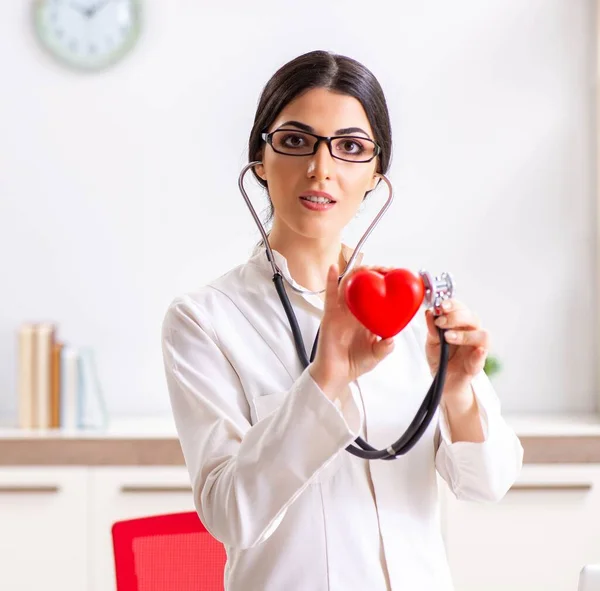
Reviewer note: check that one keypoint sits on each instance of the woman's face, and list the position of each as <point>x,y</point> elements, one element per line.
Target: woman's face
<point>291,179</point>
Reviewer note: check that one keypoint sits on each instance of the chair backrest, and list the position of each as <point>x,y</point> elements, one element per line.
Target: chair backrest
<point>167,552</point>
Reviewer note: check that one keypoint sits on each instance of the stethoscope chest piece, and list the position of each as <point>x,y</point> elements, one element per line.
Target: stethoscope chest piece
<point>437,289</point>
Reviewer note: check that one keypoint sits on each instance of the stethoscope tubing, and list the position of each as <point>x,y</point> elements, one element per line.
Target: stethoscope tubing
<point>429,406</point>
<point>265,238</point>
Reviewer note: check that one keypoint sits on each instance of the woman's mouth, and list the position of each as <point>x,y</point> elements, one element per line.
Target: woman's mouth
<point>317,201</point>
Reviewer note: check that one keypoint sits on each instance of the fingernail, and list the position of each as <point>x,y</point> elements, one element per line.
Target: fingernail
<point>451,335</point>
<point>447,305</point>
<point>441,321</point>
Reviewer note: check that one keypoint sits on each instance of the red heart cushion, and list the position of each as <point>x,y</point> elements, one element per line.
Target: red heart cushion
<point>384,302</point>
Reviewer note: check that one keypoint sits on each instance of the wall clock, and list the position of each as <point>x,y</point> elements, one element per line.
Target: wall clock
<point>87,34</point>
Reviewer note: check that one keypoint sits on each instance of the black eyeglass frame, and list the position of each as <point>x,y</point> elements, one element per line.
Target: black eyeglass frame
<point>268,138</point>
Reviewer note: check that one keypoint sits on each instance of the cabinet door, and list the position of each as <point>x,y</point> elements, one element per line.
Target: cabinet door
<point>125,493</point>
<point>43,520</point>
<point>536,539</point>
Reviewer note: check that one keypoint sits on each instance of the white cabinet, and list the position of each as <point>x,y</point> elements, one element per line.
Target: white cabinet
<point>44,529</point>
<point>55,523</point>
<point>536,539</point>
<point>55,526</point>
<point>124,493</point>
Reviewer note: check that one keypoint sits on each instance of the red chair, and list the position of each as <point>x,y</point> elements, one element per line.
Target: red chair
<point>167,553</point>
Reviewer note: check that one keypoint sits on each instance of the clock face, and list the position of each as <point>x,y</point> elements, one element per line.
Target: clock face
<point>87,34</point>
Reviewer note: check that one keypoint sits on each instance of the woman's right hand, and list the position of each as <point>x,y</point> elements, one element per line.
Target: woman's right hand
<point>346,349</point>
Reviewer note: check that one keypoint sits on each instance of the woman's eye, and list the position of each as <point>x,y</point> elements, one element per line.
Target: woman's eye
<point>351,147</point>
<point>293,141</point>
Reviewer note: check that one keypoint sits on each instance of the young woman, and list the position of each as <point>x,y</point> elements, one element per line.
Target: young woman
<point>264,437</point>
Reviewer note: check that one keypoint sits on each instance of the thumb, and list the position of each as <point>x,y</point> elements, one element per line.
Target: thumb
<point>331,288</point>
<point>431,327</point>
<point>382,348</point>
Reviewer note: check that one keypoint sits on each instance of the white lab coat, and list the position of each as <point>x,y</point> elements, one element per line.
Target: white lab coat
<point>265,448</point>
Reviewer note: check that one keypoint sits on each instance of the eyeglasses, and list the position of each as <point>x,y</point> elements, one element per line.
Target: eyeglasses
<point>349,148</point>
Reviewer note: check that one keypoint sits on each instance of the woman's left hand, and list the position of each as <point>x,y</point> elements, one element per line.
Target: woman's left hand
<point>469,346</point>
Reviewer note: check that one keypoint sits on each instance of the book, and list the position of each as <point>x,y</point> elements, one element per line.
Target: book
<point>58,384</point>
<point>70,388</point>
<point>82,402</point>
<point>42,378</point>
<point>92,411</point>
<point>55,380</point>
<point>25,379</point>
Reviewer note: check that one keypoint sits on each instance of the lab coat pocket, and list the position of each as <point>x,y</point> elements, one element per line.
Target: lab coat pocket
<point>263,406</point>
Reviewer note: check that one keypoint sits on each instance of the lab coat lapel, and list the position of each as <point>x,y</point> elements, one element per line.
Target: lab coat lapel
<point>271,322</point>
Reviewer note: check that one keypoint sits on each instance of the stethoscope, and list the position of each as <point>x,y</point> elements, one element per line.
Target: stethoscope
<point>437,289</point>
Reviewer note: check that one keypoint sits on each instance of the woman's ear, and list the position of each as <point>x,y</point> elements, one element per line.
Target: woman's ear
<point>259,169</point>
<point>374,181</point>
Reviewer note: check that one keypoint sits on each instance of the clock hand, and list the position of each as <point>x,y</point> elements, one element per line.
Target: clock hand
<point>78,8</point>
<point>87,12</point>
<point>97,7</point>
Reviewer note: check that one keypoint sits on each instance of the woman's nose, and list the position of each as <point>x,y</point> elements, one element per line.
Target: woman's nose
<point>320,166</point>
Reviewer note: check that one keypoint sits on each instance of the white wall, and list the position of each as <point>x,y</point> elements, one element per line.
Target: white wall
<point>119,190</point>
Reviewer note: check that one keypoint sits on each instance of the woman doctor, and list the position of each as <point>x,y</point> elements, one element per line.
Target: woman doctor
<point>263,438</point>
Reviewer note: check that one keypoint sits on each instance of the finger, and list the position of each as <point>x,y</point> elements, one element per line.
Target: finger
<point>351,272</point>
<point>358,268</point>
<point>463,318</point>
<point>476,361</point>
<point>331,288</point>
<point>452,304</point>
<point>382,348</point>
<point>471,338</point>
<point>431,327</point>
<point>381,269</point>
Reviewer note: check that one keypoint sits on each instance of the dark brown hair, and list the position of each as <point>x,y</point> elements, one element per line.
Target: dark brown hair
<point>322,69</point>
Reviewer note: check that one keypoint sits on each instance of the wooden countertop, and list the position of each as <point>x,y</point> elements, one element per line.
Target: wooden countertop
<point>549,439</point>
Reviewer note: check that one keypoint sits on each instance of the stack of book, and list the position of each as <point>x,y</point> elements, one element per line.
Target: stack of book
<point>58,386</point>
